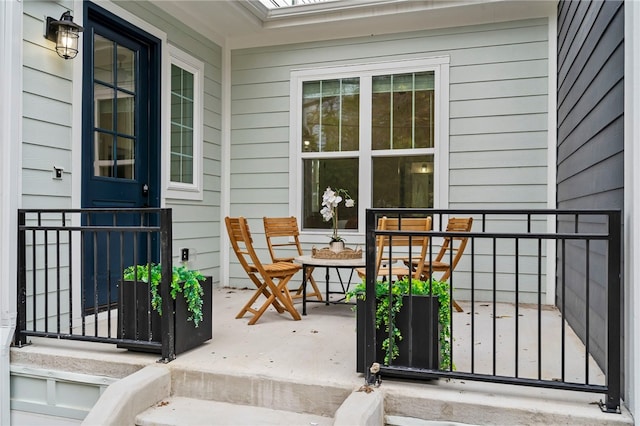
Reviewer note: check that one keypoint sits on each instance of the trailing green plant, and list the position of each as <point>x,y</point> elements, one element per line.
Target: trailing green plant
<point>183,280</point>
<point>390,303</point>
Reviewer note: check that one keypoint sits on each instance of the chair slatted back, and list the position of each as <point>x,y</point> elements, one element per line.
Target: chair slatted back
<point>452,249</point>
<point>386,245</point>
<point>242,243</point>
<point>419,245</point>
<point>282,233</point>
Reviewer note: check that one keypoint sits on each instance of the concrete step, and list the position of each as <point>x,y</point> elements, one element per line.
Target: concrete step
<point>188,411</point>
<point>412,421</point>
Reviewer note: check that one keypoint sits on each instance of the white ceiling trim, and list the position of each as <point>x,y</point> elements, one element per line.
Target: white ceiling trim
<point>240,24</point>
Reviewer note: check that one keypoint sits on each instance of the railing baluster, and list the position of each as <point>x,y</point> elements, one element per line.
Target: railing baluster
<point>517,297</point>
<point>70,284</point>
<point>494,291</point>
<point>58,281</point>
<point>588,308</point>
<point>34,277</point>
<point>562,310</point>
<point>540,308</point>
<point>473,307</point>
<point>83,275</point>
<point>45,271</point>
<point>95,278</point>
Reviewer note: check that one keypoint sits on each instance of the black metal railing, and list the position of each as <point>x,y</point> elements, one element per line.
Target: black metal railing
<point>70,273</point>
<point>511,256</point>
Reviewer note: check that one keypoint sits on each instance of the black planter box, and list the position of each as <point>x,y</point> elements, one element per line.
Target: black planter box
<point>134,316</point>
<point>419,348</point>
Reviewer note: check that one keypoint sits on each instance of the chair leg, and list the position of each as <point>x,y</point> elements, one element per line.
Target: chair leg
<point>258,312</point>
<point>457,307</point>
<point>247,307</point>
<point>281,293</point>
<point>278,296</point>
<point>316,291</point>
<point>266,292</point>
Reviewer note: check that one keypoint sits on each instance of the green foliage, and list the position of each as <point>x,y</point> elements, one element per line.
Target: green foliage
<point>183,281</point>
<point>390,303</point>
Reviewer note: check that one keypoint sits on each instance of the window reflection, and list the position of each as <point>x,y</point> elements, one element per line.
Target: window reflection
<point>401,181</point>
<point>402,111</point>
<point>331,115</point>
<point>318,175</point>
<point>182,132</point>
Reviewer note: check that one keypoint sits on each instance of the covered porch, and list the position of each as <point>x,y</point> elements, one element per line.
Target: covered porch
<point>501,337</point>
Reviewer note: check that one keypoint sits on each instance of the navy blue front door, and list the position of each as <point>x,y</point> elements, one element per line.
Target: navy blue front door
<point>121,144</point>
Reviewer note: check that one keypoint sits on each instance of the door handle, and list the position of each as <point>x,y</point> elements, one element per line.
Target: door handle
<point>145,190</point>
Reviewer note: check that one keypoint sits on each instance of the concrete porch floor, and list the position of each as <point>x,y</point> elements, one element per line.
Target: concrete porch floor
<point>308,366</point>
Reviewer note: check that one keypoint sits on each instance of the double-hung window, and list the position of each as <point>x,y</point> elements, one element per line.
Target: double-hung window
<point>378,131</point>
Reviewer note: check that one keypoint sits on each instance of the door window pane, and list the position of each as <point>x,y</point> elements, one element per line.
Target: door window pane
<point>125,108</point>
<point>126,69</point>
<point>339,173</point>
<point>103,161</point>
<point>125,160</point>
<point>104,106</point>
<point>103,59</point>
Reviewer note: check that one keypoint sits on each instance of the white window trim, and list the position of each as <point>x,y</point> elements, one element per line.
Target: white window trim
<point>438,64</point>
<point>179,190</point>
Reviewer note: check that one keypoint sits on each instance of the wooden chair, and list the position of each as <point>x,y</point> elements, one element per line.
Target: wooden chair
<point>386,246</point>
<point>282,233</point>
<point>270,279</point>
<point>450,252</point>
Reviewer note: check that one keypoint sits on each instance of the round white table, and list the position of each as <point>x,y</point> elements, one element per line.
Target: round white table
<point>314,262</point>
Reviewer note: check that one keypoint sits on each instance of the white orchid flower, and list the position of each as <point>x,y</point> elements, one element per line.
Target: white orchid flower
<point>328,197</point>
<point>326,213</point>
<point>330,201</point>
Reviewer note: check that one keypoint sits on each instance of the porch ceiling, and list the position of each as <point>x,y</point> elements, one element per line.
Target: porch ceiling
<point>246,23</point>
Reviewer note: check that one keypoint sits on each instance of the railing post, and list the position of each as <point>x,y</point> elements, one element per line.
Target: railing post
<point>19,338</point>
<point>370,294</point>
<point>614,341</point>
<point>167,319</point>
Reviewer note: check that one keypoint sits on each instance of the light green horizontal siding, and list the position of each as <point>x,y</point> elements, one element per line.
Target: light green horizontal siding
<point>47,128</point>
<point>487,107</point>
<point>497,142</point>
<point>47,94</point>
<point>497,120</point>
<point>497,176</point>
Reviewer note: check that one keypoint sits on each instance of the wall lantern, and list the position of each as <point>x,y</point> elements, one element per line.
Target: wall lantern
<point>64,33</point>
